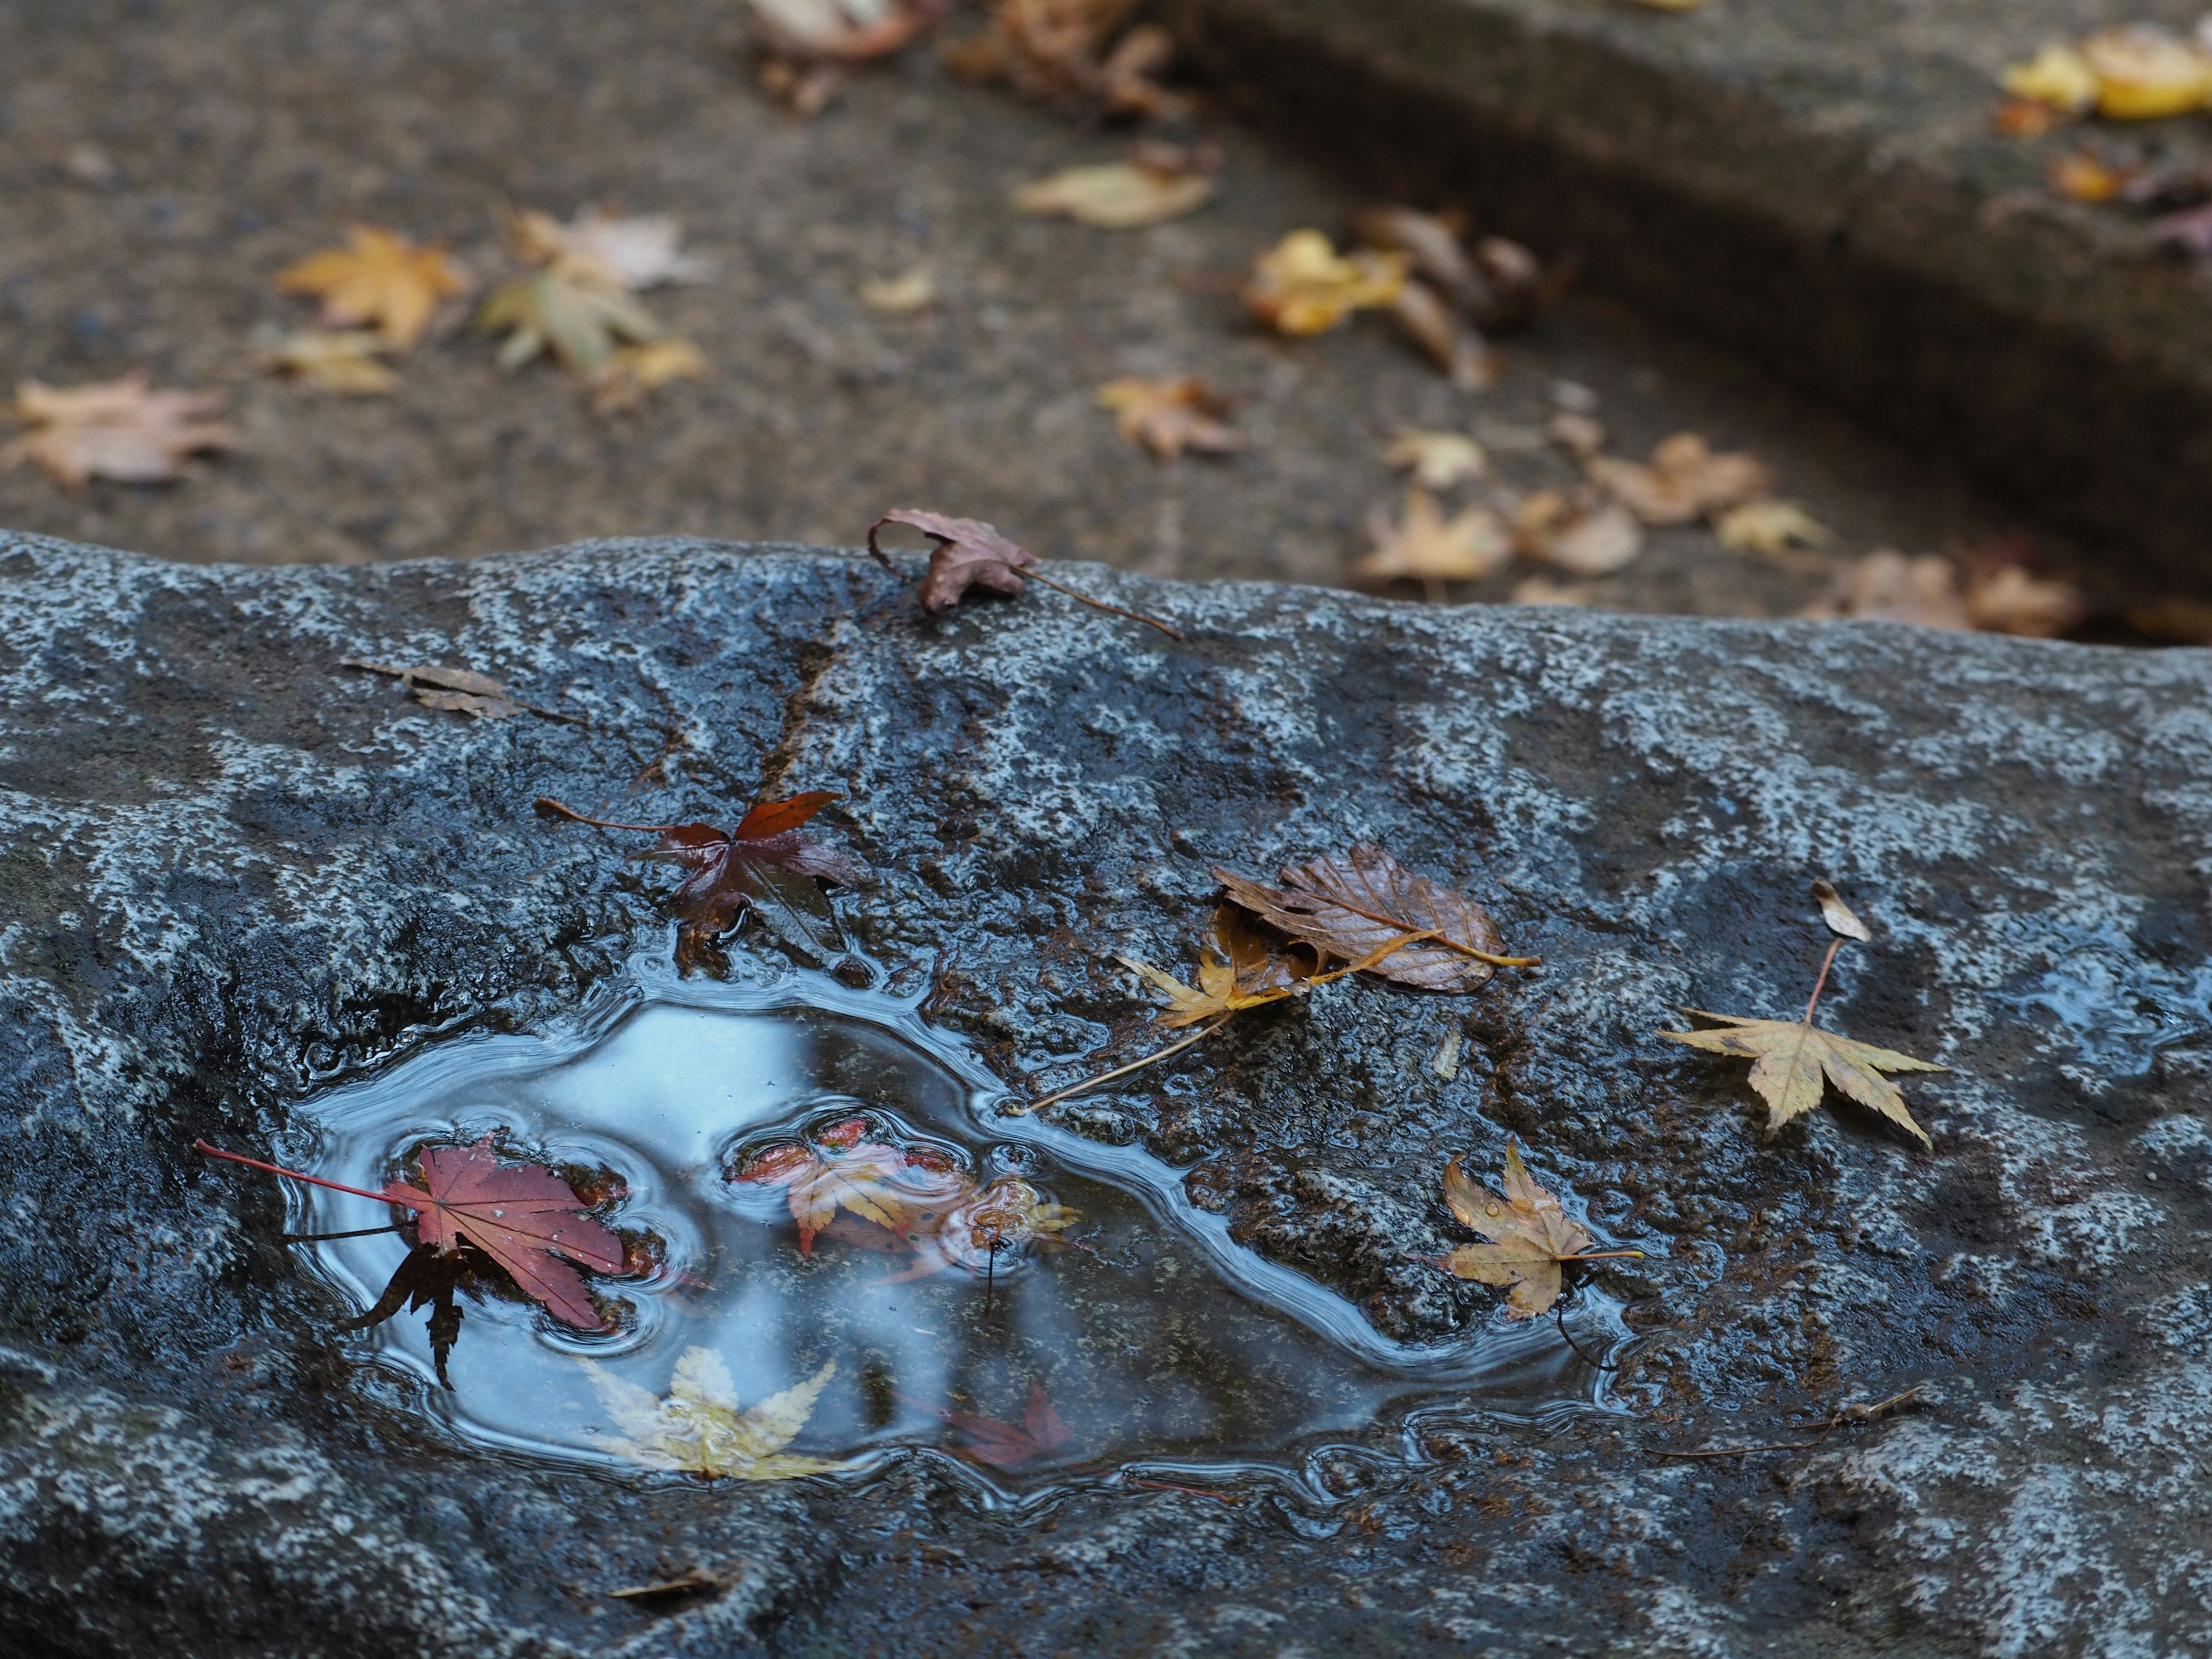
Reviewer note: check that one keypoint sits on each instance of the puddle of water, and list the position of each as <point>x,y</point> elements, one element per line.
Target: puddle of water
<point>1132,1316</point>
<point>2117,1006</point>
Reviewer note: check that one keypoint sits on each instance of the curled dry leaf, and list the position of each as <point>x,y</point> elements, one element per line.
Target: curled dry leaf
<point>1498,284</point>
<point>1437,461</point>
<point>911,290</point>
<point>1303,286</point>
<point>972,554</point>
<point>1354,905</point>
<point>1887,587</point>
<point>461,691</point>
<point>1684,481</point>
<point>700,1429</point>
<point>2009,600</point>
<point>598,250</point>
<point>1582,538</point>
<point>380,279</point>
<point>1532,1235</point>
<point>1425,546</point>
<point>121,429</point>
<point>1162,182</point>
<point>1841,920</point>
<point>1446,338</point>
<point>1236,969</point>
<point>1770,527</point>
<point>1169,416</point>
<point>725,869</point>
<point>349,361</point>
<point>580,324</point>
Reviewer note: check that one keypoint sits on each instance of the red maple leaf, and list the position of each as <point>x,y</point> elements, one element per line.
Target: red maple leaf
<point>1006,1445</point>
<point>723,866</point>
<point>521,1215</point>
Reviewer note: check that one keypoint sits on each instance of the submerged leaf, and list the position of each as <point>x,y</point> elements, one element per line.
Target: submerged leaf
<point>1007,1445</point>
<point>700,1428</point>
<point>1790,1057</point>
<point>844,1170</point>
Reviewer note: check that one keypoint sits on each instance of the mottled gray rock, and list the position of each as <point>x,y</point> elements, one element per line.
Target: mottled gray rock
<point>233,874</point>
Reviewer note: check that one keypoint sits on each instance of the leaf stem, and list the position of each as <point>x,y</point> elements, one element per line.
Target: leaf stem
<point>278,1168</point>
<point>1101,604</point>
<point>1821,983</point>
<point>547,803</point>
<point>1439,936</point>
<point>1091,1082</point>
<point>1560,1313</point>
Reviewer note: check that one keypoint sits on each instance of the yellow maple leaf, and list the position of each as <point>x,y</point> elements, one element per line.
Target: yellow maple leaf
<point>2058,77</point>
<point>1236,968</point>
<point>699,1427</point>
<point>1303,286</point>
<point>379,278</point>
<point>1790,1057</point>
<point>1428,547</point>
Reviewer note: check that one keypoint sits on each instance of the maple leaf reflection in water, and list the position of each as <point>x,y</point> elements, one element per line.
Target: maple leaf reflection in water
<point>698,1428</point>
<point>427,1277</point>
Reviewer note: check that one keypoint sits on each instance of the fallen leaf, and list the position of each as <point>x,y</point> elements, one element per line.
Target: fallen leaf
<point>1533,1234</point>
<point>459,690</point>
<point>1684,481</point>
<point>380,278</point>
<point>1009,1446</point>
<point>911,290</point>
<point>1790,1056</point>
<point>1352,905</point>
<point>627,379</point>
<point>580,324</point>
<point>2082,176</point>
<point>1886,587</point>
<point>1581,538</point>
<point>1159,185</point>
<point>1841,920</point>
<point>2058,77</point>
<point>1427,547</point>
<point>595,248</point>
<point>1542,590</point>
<point>348,361</point>
<point>2009,600</point>
<point>1770,527</point>
<point>842,31</point>
<point>1169,416</point>
<point>972,554</point>
<point>842,1169</point>
<point>1445,338</point>
<point>1497,284</point>
<point>523,1216</point>
<point>1236,969</point>
<point>2145,72</point>
<point>700,1429</point>
<point>1576,433</point>
<point>1437,459</point>
<point>970,1233</point>
<point>1057,50</point>
<point>1302,286</point>
<point>119,429</point>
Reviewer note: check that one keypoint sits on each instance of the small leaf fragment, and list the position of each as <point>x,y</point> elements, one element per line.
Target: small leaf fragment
<point>1838,915</point>
<point>911,290</point>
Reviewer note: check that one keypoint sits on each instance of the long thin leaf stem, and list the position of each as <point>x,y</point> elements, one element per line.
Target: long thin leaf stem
<point>1091,1082</point>
<point>1560,1313</point>
<point>1035,574</point>
<point>278,1168</point>
<point>547,803</point>
<point>1821,983</point>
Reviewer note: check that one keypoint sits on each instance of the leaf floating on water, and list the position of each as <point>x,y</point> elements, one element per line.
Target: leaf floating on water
<point>1169,416</point>
<point>523,1216</point>
<point>698,1428</point>
<point>1532,1235</point>
<point>379,279</point>
<point>1354,905</point>
<point>121,429</point>
<point>724,867</point>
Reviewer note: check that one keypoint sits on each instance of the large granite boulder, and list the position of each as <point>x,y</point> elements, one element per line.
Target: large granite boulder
<point>235,873</point>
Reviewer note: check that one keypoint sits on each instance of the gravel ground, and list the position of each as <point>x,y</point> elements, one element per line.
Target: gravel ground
<point>241,139</point>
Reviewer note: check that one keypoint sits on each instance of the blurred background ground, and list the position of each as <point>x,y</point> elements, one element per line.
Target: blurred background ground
<point>161,160</point>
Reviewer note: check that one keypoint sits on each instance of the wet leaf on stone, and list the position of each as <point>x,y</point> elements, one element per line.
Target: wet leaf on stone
<point>1169,416</point>
<point>523,1216</point>
<point>1161,182</point>
<point>1237,968</point>
<point>1303,286</point>
<point>459,690</point>
<point>1842,919</point>
<point>722,867</point>
<point>1352,905</point>
<point>1791,1057</point>
<point>972,554</point>
<point>121,429</point>
<point>700,1428</point>
<point>1009,1445</point>
<point>1531,1235</point>
<point>379,279</point>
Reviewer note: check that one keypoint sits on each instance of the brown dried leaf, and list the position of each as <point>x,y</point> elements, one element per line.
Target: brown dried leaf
<point>1886,587</point>
<point>1161,183</point>
<point>1352,905</point>
<point>121,429</point>
<point>2009,600</point>
<point>1058,51</point>
<point>1841,920</point>
<point>969,554</point>
<point>1581,538</point>
<point>1532,1234</point>
<point>380,278</point>
<point>1684,481</point>
<point>1169,416</point>
<point>459,690</point>
<point>1303,286</point>
<point>1437,459</point>
<point>1236,968</point>
<point>1425,546</point>
<point>1445,337</point>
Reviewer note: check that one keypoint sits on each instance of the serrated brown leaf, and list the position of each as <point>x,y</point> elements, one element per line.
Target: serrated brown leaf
<point>1790,1059</point>
<point>119,429</point>
<point>1531,1232</point>
<point>1059,50</point>
<point>378,279</point>
<point>969,554</point>
<point>1236,968</point>
<point>1353,904</point>
<point>1684,481</point>
<point>1169,416</point>
<point>1007,1445</point>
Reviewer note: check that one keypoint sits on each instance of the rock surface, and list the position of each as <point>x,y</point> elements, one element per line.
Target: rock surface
<point>235,873</point>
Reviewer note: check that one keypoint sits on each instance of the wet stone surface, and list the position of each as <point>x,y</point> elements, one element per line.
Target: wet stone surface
<point>248,892</point>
